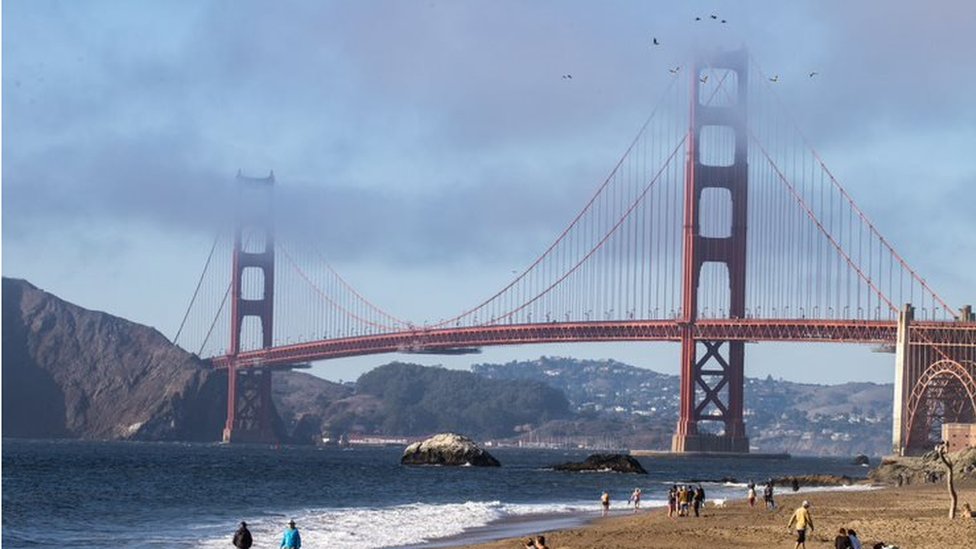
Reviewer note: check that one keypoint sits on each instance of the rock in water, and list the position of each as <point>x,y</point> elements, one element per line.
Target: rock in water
<point>605,462</point>
<point>862,459</point>
<point>447,449</point>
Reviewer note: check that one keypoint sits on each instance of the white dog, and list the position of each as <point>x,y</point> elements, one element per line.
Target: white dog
<point>718,503</point>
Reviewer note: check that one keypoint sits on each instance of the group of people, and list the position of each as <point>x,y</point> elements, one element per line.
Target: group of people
<point>768,502</point>
<point>683,498</point>
<point>847,539</point>
<point>538,543</point>
<point>290,540</point>
<point>635,498</point>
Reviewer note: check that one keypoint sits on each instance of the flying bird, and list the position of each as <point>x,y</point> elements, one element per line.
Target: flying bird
<point>567,77</point>
<point>713,16</point>
<point>724,21</point>
<point>656,43</point>
<point>703,79</point>
<point>698,19</point>
<point>774,78</point>
<point>814,73</point>
<point>674,70</point>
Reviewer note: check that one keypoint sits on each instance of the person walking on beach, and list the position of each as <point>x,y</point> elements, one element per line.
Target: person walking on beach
<point>800,521</point>
<point>672,500</point>
<point>636,497</point>
<point>605,501</point>
<point>292,539</point>
<point>699,499</point>
<point>242,537</point>
<point>855,541</point>
<point>752,495</point>
<point>768,502</point>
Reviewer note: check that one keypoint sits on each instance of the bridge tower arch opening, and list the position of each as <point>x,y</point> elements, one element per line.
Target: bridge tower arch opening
<point>712,381</point>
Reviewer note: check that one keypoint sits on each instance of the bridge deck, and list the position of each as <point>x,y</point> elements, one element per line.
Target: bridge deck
<point>795,330</point>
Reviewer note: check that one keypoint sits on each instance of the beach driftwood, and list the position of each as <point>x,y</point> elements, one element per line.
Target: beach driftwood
<point>619,463</point>
<point>447,449</point>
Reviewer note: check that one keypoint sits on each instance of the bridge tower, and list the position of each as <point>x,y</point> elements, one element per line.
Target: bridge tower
<point>935,379</point>
<point>712,371</point>
<point>249,407</point>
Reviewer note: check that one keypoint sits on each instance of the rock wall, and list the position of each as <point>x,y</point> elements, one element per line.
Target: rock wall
<point>69,372</point>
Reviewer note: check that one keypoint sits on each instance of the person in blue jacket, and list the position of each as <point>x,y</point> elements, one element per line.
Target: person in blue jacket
<point>292,539</point>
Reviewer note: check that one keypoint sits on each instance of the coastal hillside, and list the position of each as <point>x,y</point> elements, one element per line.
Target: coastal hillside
<point>69,372</point>
<point>402,399</point>
<point>638,407</point>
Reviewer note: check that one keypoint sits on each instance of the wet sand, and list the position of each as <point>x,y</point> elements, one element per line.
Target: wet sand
<point>911,517</point>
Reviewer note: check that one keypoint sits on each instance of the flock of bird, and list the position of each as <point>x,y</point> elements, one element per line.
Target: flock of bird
<point>704,78</point>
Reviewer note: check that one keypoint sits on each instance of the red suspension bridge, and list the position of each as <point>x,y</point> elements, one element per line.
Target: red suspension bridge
<point>719,225</point>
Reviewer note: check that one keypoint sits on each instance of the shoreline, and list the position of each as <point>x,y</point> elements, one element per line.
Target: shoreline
<point>515,527</point>
<point>910,517</point>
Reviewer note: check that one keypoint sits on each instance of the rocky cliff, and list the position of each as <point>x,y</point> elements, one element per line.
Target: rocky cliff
<point>69,372</point>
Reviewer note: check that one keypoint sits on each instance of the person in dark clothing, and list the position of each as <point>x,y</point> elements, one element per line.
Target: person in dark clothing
<point>242,537</point>
<point>842,541</point>
<point>796,485</point>
<point>699,499</point>
<point>768,502</point>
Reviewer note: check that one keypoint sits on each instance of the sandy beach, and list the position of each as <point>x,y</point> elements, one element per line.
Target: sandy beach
<point>911,517</point>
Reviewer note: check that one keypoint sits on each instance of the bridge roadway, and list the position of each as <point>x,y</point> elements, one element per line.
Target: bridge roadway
<point>446,339</point>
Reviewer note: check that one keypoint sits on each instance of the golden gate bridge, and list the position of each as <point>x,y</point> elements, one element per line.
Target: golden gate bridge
<point>717,226</point>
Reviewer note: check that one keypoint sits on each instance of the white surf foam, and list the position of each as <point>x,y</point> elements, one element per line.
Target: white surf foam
<point>391,526</point>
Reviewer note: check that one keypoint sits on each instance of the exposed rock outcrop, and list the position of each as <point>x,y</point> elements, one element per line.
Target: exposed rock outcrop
<point>69,372</point>
<point>925,468</point>
<point>819,480</point>
<point>619,463</point>
<point>447,449</point>
<point>862,459</point>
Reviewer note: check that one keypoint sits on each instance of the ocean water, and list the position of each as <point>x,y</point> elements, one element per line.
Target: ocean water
<point>169,495</point>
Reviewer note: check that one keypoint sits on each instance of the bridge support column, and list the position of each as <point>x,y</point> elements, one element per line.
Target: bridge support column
<point>901,369</point>
<point>250,412</point>
<point>712,379</point>
<point>249,408</point>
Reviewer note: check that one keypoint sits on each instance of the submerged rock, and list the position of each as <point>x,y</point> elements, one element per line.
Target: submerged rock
<point>619,463</point>
<point>447,449</point>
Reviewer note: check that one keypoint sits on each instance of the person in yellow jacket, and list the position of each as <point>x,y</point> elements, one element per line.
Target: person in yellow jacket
<point>801,520</point>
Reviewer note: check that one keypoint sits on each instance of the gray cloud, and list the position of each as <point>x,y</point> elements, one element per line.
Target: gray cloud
<point>429,131</point>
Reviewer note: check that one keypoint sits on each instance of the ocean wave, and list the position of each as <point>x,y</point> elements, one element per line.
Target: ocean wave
<point>400,525</point>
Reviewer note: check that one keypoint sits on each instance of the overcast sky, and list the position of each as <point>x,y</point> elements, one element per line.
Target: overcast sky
<point>438,142</point>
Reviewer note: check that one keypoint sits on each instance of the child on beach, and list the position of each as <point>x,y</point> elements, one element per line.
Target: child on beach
<point>538,543</point>
<point>605,501</point>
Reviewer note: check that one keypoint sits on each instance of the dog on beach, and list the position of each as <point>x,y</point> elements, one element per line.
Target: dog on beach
<point>720,503</point>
